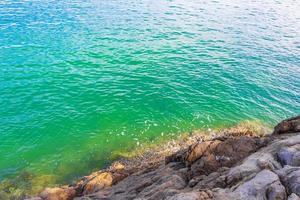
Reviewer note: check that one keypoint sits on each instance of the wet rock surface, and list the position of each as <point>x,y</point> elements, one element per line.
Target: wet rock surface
<point>290,125</point>
<point>229,167</point>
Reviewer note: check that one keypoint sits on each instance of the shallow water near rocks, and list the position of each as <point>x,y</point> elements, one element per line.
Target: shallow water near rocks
<point>80,80</point>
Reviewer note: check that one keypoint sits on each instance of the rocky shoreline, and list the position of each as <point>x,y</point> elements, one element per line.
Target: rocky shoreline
<point>235,165</point>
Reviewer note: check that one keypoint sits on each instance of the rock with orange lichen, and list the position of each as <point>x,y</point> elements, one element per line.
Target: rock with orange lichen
<point>101,181</point>
<point>117,166</point>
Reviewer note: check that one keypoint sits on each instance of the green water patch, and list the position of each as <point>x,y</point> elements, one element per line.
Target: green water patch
<point>83,82</point>
<point>31,183</point>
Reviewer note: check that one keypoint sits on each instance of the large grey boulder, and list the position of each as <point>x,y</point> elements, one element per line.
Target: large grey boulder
<point>290,155</point>
<point>290,176</point>
<point>264,184</point>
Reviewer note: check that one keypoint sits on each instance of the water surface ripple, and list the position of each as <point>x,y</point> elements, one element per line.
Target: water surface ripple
<point>82,79</point>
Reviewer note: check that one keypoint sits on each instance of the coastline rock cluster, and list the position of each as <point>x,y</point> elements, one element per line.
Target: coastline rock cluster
<point>225,167</point>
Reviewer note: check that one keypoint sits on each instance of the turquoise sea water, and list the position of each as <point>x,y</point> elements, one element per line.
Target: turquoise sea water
<point>82,79</point>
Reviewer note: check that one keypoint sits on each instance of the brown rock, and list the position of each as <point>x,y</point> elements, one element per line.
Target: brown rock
<point>291,125</point>
<point>208,157</point>
<point>58,193</point>
<point>117,166</point>
<point>206,195</point>
<point>200,149</point>
<point>176,157</point>
<point>100,181</point>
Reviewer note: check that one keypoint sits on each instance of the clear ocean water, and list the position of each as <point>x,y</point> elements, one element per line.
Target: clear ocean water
<point>80,80</point>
